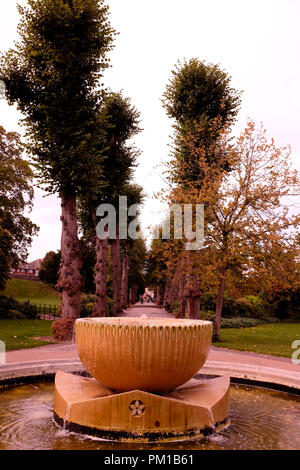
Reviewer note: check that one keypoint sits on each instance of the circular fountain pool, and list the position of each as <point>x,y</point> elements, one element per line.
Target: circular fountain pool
<point>260,419</point>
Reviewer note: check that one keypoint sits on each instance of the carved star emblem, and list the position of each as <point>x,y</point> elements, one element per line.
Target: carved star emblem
<point>137,408</point>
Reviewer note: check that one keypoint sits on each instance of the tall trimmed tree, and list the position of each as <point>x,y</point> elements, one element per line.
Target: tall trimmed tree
<point>52,75</point>
<point>130,248</point>
<point>118,124</point>
<point>201,102</point>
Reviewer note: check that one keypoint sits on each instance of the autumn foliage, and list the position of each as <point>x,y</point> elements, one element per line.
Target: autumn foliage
<point>250,235</point>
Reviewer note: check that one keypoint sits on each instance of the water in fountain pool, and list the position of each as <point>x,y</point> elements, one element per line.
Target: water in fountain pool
<point>260,419</point>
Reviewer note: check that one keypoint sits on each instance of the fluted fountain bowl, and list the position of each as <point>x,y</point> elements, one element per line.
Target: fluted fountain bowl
<point>142,354</point>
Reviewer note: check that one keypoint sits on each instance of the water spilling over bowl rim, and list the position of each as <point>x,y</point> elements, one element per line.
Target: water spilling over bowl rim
<point>143,322</point>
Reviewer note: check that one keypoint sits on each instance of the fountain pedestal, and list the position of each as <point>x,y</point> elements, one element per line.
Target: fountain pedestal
<point>147,361</point>
<point>198,408</point>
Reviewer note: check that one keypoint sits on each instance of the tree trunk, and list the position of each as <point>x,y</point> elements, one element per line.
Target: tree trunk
<point>69,274</point>
<point>181,307</point>
<point>167,298</point>
<point>193,304</point>
<point>133,298</point>
<point>192,293</point>
<point>160,295</point>
<point>100,307</point>
<point>219,306</point>
<point>116,265</point>
<point>181,299</point>
<point>173,293</point>
<point>125,270</point>
<point>166,302</point>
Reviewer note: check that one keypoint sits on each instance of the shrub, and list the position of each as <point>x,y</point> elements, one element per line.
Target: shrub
<point>285,305</point>
<point>208,302</point>
<point>86,309</point>
<point>63,329</point>
<point>209,315</point>
<point>28,310</point>
<point>9,304</point>
<point>237,308</point>
<point>270,320</point>
<point>258,305</point>
<point>15,315</point>
<point>239,322</point>
<point>250,306</point>
<point>235,322</point>
<point>87,305</point>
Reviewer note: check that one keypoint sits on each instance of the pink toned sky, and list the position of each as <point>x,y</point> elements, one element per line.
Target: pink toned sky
<point>256,41</point>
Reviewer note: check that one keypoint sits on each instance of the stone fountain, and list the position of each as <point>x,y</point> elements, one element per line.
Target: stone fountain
<point>142,387</point>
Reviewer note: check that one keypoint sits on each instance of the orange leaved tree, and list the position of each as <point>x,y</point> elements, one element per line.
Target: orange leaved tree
<point>247,227</point>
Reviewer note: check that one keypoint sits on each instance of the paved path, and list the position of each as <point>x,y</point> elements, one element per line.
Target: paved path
<point>150,310</point>
<point>67,350</point>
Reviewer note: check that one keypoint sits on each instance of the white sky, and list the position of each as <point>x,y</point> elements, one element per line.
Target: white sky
<point>256,41</point>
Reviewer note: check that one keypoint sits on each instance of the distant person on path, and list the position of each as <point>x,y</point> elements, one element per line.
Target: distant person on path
<point>141,299</point>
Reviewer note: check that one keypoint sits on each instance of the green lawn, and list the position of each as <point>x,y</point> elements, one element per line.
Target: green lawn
<point>272,339</point>
<point>35,292</point>
<point>20,334</point>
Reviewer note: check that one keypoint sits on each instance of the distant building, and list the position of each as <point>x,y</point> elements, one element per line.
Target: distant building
<point>27,271</point>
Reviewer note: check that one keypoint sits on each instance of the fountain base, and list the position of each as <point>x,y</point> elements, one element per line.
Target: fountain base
<point>196,409</point>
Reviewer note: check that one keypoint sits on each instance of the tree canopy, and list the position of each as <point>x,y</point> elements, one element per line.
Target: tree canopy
<point>249,234</point>
<point>16,196</point>
<point>200,91</point>
<point>201,102</point>
<point>50,268</point>
<point>52,75</point>
<point>118,122</point>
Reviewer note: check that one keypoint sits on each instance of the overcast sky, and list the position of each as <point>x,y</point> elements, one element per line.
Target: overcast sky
<point>257,42</point>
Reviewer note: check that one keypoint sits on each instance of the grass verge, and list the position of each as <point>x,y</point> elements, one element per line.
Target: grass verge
<point>271,339</point>
<point>20,334</point>
<point>35,292</point>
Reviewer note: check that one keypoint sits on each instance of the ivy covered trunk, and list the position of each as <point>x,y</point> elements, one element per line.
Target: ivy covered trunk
<point>219,306</point>
<point>125,272</point>
<point>69,274</point>
<point>116,265</point>
<point>160,293</point>
<point>192,293</point>
<point>100,307</point>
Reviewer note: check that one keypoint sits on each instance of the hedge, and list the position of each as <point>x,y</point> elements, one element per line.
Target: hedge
<point>11,309</point>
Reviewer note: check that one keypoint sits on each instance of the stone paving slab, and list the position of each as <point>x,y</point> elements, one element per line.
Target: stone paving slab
<point>43,353</point>
<point>69,351</point>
